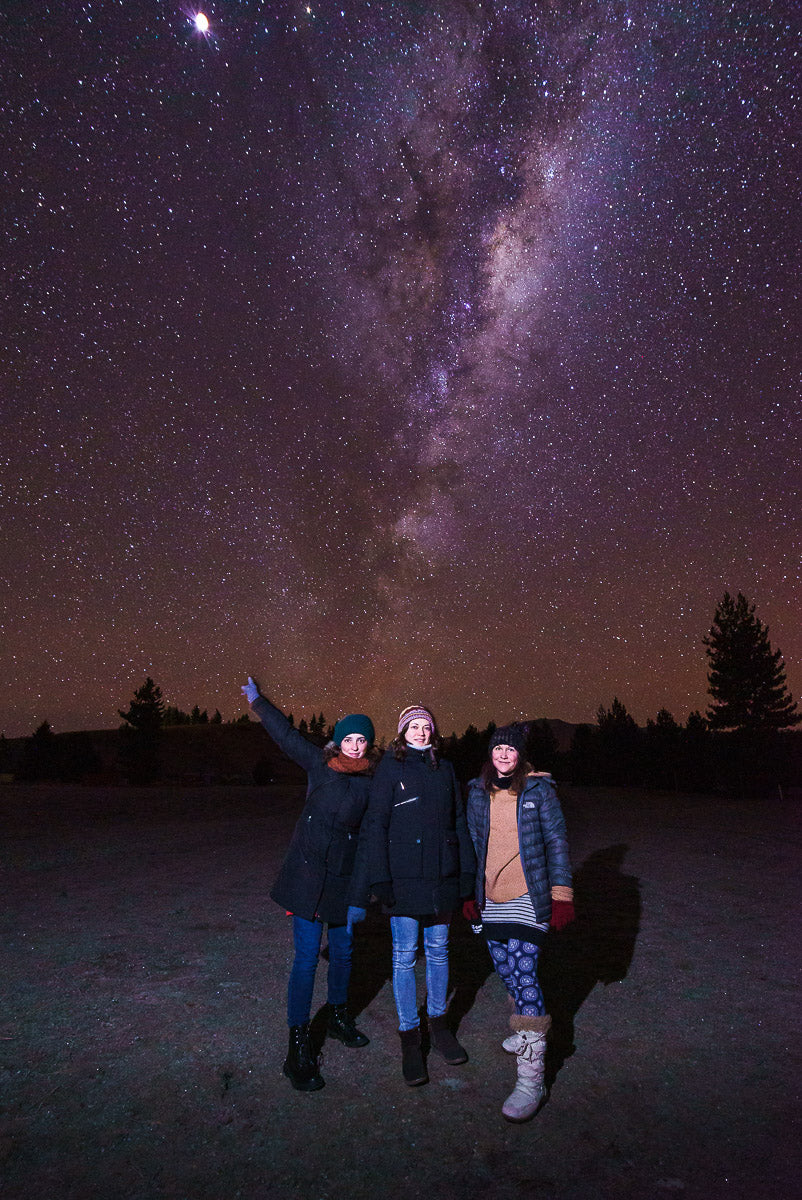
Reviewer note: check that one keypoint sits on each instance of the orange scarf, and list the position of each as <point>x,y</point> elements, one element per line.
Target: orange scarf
<point>348,766</point>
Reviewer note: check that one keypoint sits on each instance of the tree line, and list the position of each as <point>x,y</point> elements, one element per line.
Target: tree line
<point>743,742</point>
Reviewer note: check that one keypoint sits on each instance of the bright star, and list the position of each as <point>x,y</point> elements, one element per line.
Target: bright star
<point>201,22</point>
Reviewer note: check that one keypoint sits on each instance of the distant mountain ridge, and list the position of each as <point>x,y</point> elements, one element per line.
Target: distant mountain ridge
<point>563,730</point>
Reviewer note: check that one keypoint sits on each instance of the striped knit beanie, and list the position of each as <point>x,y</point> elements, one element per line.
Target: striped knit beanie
<point>415,713</point>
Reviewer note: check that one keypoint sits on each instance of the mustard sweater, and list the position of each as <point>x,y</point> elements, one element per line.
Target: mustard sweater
<point>504,872</point>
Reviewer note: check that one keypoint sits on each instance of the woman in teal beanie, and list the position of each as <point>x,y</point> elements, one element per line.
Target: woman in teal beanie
<point>321,880</point>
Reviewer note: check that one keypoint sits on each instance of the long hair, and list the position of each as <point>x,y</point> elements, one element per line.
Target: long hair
<point>516,780</point>
<point>399,746</point>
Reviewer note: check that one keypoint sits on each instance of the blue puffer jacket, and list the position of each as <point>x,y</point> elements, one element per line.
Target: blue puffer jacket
<point>541,837</point>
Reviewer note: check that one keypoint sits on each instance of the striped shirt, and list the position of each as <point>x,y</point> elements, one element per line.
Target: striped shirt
<point>518,912</point>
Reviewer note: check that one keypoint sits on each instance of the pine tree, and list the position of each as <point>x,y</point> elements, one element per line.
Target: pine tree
<point>620,743</point>
<point>146,710</point>
<point>698,754</point>
<point>746,680</point>
<point>141,733</point>
<point>615,718</point>
<point>661,746</point>
<point>317,729</point>
<point>41,756</point>
<point>470,751</point>
<point>174,716</point>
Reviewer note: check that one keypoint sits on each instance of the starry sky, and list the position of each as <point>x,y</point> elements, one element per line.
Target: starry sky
<point>395,351</point>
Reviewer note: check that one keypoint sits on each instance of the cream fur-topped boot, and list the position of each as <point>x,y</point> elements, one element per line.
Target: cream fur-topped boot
<point>528,1043</point>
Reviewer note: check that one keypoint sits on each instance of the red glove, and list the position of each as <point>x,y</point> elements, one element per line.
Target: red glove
<point>562,913</point>
<point>472,912</point>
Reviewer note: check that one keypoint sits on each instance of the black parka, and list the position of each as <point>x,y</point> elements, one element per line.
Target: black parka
<point>417,836</point>
<point>320,875</point>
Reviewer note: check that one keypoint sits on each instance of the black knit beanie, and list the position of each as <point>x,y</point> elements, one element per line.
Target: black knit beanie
<point>509,735</point>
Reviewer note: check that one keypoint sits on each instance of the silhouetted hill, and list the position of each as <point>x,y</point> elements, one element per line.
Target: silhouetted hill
<point>562,730</point>
<point>189,754</point>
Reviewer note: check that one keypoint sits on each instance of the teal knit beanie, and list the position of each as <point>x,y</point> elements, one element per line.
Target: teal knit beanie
<point>354,723</point>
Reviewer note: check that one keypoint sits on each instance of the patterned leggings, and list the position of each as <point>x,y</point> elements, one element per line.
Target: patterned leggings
<point>516,963</point>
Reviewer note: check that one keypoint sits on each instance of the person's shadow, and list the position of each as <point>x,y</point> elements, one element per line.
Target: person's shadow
<point>469,967</point>
<point>596,948</point>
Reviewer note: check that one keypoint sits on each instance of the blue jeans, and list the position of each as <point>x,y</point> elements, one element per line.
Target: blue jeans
<point>405,949</point>
<point>308,936</point>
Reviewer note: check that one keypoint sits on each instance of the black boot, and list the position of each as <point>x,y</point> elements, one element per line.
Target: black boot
<point>300,1065</point>
<point>412,1064</point>
<point>445,1043</point>
<point>342,1026</point>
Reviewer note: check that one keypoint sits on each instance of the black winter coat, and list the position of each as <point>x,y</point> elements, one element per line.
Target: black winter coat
<point>541,839</point>
<point>417,836</point>
<point>320,875</point>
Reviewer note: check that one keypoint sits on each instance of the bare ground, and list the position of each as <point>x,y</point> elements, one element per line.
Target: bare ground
<point>142,1030</point>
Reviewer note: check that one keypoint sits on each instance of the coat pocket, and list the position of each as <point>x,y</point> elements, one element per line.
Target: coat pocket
<point>406,858</point>
<point>341,856</point>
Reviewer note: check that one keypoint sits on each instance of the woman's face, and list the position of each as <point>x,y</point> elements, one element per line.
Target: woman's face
<point>418,733</point>
<point>505,759</point>
<point>354,745</point>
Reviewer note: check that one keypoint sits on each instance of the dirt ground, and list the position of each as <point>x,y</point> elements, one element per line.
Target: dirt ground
<point>142,1030</point>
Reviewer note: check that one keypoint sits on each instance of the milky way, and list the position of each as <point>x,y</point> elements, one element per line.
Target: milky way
<point>395,352</point>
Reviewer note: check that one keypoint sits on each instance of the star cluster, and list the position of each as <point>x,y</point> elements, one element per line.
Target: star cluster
<point>391,352</point>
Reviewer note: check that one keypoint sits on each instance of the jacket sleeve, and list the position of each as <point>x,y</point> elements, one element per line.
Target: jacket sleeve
<point>293,743</point>
<point>555,838</point>
<point>473,818</point>
<point>376,824</point>
<point>467,857</point>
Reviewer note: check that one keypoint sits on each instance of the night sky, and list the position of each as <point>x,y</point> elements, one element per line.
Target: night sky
<point>395,352</point>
